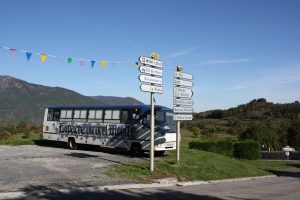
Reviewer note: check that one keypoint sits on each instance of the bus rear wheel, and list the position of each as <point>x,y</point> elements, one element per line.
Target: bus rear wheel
<point>72,144</point>
<point>159,153</point>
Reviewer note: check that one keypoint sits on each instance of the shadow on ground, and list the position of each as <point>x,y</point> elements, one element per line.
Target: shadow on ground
<point>285,173</point>
<point>45,193</point>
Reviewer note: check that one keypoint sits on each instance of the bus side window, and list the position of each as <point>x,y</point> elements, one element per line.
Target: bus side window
<point>56,115</point>
<point>50,115</point>
<point>124,117</point>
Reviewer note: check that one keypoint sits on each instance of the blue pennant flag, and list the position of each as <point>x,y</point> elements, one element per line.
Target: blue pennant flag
<point>28,55</point>
<point>93,63</point>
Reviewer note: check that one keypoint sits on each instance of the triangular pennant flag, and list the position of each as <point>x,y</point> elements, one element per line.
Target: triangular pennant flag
<point>103,63</point>
<point>12,52</point>
<point>70,60</point>
<point>28,55</point>
<point>92,63</point>
<point>81,62</point>
<point>43,57</point>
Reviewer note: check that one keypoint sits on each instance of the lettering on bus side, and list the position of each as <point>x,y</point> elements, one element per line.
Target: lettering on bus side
<point>108,130</point>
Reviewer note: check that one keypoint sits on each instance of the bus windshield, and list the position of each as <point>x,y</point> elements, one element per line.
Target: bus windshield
<point>165,119</point>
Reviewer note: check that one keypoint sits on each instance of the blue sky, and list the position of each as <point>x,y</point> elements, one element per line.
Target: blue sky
<point>237,50</point>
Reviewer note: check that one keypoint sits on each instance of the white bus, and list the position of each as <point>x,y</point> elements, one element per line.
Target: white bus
<point>126,127</point>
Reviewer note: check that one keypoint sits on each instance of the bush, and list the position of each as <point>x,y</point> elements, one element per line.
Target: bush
<point>247,150</point>
<point>196,131</point>
<point>220,147</point>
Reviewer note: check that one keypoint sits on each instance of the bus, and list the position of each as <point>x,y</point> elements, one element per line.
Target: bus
<point>126,127</point>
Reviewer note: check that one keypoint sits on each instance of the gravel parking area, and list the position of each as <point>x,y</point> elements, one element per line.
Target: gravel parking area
<point>30,165</point>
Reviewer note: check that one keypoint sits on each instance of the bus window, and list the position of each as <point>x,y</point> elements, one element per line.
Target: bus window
<point>69,114</point>
<point>56,115</point>
<point>116,114</point>
<point>63,114</point>
<point>76,114</point>
<point>50,115</point>
<point>107,114</point>
<point>99,114</point>
<point>92,114</point>
<point>124,117</point>
<point>83,114</point>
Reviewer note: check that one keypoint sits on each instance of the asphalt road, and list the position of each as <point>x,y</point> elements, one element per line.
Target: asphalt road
<point>29,165</point>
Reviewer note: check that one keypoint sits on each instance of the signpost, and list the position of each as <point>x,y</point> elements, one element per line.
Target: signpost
<point>151,78</point>
<point>182,102</point>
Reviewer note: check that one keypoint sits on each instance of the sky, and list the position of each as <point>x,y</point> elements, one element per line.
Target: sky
<point>236,50</point>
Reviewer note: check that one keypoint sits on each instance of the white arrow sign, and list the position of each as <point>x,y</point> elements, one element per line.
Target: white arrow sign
<point>151,88</point>
<point>183,109</point>
<point>150,79</point>
<point>183,83</point>
<point>183,75</point>
<point>183,102</point>
<point>183,92</point>
<point>178,117</point>
<point>149,61</point>
<point>150,70</point>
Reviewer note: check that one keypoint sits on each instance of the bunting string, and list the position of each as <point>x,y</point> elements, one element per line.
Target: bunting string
<point>68,60</point>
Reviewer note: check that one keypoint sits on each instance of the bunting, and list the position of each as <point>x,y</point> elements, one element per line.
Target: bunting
<point>28,56</point>
<point>43,57</point>
<point>70,60</point>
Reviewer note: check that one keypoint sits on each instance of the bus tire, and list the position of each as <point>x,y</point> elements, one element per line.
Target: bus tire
<point>159,153</point>
<point>136,149</point>
<point>72,144</point>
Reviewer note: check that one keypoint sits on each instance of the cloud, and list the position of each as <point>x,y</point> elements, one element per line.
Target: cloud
<point>182,53</point>
<point>271,79</point>
<point>218,62</point>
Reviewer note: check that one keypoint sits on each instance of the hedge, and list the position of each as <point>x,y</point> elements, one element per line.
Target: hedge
<point>243,150</point>
<point>221,147</point>
<point>247,150</point>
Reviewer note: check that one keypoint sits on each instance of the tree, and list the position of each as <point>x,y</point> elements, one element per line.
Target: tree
<point>293,136</point>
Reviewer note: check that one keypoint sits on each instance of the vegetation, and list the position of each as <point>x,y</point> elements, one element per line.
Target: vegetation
<point>20,133</point>
<point>221,147</point>
<point>273,126</point>
<point>249,150</point>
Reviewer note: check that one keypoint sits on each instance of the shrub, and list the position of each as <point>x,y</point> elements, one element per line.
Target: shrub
<point>220,147</point>
<point>247,150</point>
<point>196,131</point>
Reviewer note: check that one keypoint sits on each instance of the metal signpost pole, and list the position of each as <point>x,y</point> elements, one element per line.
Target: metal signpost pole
<point>152,133</point>
<point>178,143</point>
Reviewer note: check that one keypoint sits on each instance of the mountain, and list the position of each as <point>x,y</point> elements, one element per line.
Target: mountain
<point>20,100</point>
<point>114,101</point>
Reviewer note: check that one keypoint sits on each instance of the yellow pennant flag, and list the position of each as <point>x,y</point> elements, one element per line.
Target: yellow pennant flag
<point>103,63</point>
<point>43,57</point>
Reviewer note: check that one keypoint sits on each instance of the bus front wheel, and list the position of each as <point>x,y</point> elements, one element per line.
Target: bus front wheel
<point>72,144</point>
<point>136,149</point>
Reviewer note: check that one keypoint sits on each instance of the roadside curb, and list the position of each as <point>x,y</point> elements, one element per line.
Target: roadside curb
<point>164,183</point>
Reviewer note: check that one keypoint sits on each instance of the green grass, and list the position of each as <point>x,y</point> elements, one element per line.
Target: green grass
<point>275,165</point>
<point>194,165</point>
<point>18,139</point>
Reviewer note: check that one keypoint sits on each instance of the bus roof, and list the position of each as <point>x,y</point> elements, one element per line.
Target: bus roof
<point>142,107</point>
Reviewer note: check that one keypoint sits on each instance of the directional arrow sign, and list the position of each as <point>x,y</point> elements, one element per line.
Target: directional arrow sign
<point>183,92</point>
<point>183,83</point>
<point>183,110</point>
<point>149,61</point>
<point>151,88</point>
<point>183,102</point>
<point>183,75</point>
<point>150,79</point>
<point>178,117</point>
<point>150,70</point>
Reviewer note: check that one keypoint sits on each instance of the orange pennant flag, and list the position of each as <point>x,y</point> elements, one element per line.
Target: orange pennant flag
<point>43,57</point>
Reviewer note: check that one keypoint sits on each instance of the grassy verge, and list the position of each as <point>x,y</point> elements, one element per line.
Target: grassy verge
<point>195,165</point>
<point>18,139</point>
